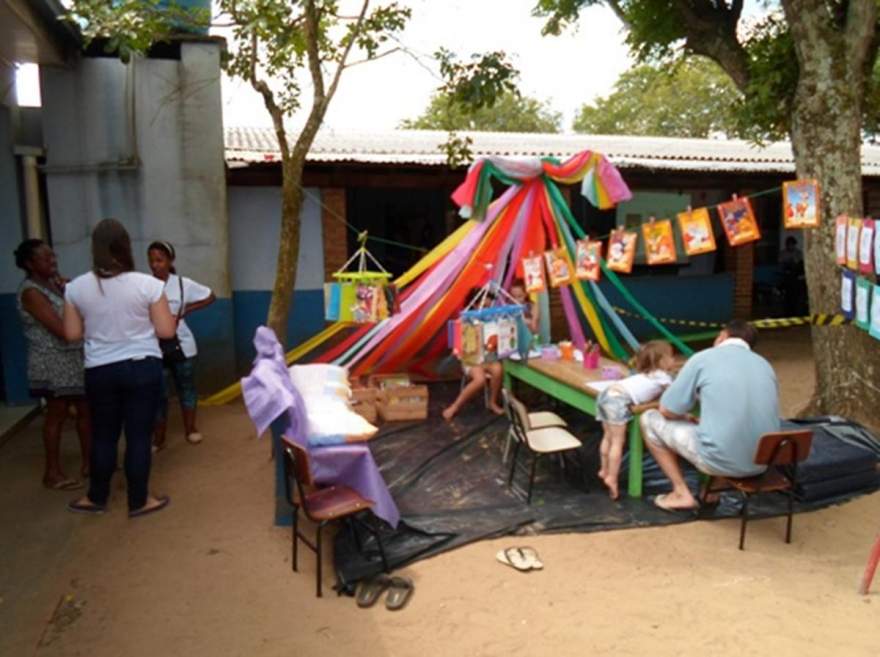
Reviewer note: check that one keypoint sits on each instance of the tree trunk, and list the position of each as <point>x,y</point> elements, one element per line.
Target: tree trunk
<point>288,248</point>
<point>826,140</point>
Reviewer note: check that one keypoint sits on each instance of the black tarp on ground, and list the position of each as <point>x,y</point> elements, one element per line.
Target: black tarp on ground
<point>451,486</point>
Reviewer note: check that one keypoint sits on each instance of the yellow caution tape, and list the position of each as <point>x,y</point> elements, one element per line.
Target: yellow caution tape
<point>821,319</point>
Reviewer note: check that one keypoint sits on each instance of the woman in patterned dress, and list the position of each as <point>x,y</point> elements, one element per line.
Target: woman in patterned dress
<point>55,366</point>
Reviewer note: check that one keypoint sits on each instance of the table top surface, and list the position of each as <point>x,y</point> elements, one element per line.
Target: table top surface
<point>575,375</point>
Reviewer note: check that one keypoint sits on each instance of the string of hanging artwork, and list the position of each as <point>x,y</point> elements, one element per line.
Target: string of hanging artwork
<point>360,294</point>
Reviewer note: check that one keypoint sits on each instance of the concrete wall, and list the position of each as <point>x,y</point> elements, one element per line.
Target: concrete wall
<point>144,144</point>
<point>14,355</point>
<point>254,227</point>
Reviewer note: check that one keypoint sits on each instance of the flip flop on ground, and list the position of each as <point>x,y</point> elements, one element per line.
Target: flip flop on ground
<point>64,484</point>
<point>368,590</point>
<point>662,502</point>
<point>78,506</point>
<point>161,503</point>
<point>399,593</point>
<point>523,559</point>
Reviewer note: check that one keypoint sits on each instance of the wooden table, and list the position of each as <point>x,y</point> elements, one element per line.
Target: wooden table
<point>569,382</point>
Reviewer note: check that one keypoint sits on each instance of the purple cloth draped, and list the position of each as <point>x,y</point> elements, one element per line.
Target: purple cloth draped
<point>269,392</point>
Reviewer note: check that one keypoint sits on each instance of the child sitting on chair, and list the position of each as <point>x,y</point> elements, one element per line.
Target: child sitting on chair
<point>654,363</point>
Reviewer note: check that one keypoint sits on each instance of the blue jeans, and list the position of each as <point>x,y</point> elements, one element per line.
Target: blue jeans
<point>184,376</point>
<point>123,395</point>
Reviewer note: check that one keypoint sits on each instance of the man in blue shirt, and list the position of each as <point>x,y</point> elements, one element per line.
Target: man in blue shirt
<point>738,396</point>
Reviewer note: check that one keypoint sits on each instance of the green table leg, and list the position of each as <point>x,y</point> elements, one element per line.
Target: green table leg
<point>636,447</point>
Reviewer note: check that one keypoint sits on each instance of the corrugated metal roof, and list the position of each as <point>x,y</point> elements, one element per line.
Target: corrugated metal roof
<point>423,147</point>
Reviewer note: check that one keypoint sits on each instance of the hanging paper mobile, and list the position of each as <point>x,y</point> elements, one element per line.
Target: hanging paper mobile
<point>621,250</point>
<point>558,267</point>
<point>659,242</point>
<point>847,283</point>
<point>800,204</point>
<point>866,247</point>
<point>587,258</point>
<point>863,303</point>
<point>359,295</point>
<point>842,222</point>
<point>533,271</point>
<point>852,242</point>
<point>738,222</point>
<point>696,231</point>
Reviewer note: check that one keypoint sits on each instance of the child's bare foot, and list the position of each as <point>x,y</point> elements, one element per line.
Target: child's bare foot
<point>611,483</point>
<point>495,408</point>
<point>449,413</point>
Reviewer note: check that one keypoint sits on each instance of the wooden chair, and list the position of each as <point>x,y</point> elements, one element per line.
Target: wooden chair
<point>321,505</point>
<point>547,440</point>
<point>783,448</point>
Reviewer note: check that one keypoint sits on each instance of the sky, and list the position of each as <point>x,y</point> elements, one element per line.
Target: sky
<point>565,71</point>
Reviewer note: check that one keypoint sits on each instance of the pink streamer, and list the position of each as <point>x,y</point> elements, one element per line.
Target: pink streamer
<point>574,324</point>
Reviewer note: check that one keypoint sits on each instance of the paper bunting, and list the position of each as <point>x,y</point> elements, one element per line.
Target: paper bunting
<point>587,260</point>
<point>558,267</point>
<point>800,204</point>
<point>863,303</point>
<point>621,250</point>
<point>866,247</point>
<point>875,313</point>
<point>854,227</point>
<point>738,222</point>
<point>847,283</point>
<point>696,231</point>
<point>533,270</point>
<point>659,242</point>
<point>840,238</point>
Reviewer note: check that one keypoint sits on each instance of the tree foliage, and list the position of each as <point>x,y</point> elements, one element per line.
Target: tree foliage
<point>690,98</point>
<point>510,113</point>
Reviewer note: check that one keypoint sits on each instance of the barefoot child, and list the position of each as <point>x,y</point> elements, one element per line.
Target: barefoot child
<point>653,364</point>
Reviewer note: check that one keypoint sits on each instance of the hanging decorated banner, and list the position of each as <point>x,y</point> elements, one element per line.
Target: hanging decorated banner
<point>840,238</point>
<point>558,267</point>
<point>359,295</point>
<point>659,242</point>
<point>739,222</point>
<point>800,204</point>
<point>696,231</point>
<point>622,250</point>
<point>852,242</point>
<point>533,270</point>
<point>587,260</point>
<point>863,302</point>
<point>866,247</point>
<point>875,313</point>
<point>847,283</point>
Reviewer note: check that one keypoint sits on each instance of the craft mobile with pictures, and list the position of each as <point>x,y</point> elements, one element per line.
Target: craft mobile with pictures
<point>738,222</point>
<point>696,231</point>
<point>558,267</point>
<point>533,273</point>
<point>863,303</point>
<point>659,242</point>
<point>852,242</point>
<point>621,250</point>
<point>800,204</point>
<point>866,246</point>
<point>847,292</point>
<point>588,255</point>
<point>842,222</point>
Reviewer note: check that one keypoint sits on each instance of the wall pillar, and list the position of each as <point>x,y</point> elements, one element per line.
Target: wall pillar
<point>334,230</point>
<point>740,261</point>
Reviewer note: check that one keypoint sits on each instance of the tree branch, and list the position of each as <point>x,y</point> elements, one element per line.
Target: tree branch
<point>355,31</point>
<point>373,59</point>
<point>860,34</point>
<point>269,101</point>
<point>618,11</point>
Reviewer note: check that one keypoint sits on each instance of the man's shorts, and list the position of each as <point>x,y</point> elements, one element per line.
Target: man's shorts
<point>680,436</point>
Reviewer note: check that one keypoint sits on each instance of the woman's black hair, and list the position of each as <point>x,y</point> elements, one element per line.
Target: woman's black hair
<point>25,252</point>
<point>111,249</point>
<point>168,249</point>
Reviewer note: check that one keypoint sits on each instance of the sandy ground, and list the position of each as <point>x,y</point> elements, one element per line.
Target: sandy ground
<point>211,575</point>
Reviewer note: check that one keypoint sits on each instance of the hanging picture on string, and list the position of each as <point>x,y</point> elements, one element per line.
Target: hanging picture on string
<point>842,222</point>
<point>533,272</point>
<point>875,313</point>
<point>800,204</point>
<point>621,250</point>
<point>696,231</point>
<point>863,303</point>
<point>588,254</point>
<point>659,242</point>
<point>739,222</point>
<point>866,247</point>
<point>847,292</point>
<point>558,267</point>
<point>854,228</point>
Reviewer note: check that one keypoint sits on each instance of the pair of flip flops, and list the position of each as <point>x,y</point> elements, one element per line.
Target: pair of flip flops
<point>524,559</point>
<point>400,590</point>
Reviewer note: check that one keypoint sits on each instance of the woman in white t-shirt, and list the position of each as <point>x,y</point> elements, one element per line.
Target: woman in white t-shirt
<point>195,297</point>
<point>119,313</point>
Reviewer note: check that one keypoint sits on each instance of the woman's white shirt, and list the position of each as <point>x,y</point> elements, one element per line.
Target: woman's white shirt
<point>116,316</point>
<point>192,293</point>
